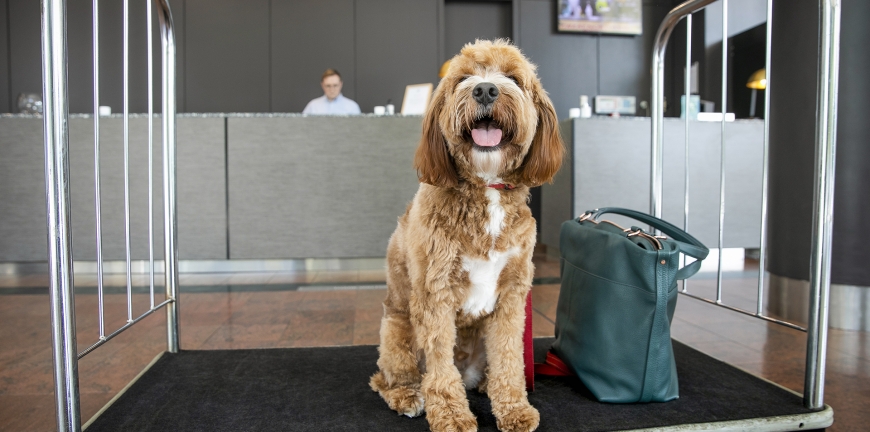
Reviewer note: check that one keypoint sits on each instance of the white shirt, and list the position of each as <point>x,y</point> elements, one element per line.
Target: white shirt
<point>324,106</point>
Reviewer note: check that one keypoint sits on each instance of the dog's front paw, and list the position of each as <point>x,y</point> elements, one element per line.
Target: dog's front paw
<point>405,400</point>
<point>518,418</point>
<point>459,420</point>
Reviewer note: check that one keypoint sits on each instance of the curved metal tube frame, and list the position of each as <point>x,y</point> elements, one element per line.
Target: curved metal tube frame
<point>56,131</point>
<point>658,95</point>
<point>826,137</point>
<point>170,219</point>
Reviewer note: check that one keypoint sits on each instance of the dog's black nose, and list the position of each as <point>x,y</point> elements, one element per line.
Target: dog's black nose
<point>485,93</point>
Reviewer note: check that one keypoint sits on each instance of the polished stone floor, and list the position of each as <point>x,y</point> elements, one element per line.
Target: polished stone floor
<point>342,307</point>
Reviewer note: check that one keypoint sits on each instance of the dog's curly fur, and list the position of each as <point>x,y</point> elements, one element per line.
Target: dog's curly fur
<point>459,263</point>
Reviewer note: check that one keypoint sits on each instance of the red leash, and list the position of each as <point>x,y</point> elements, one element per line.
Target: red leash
<point>552,366</point>
<point>528,348</point>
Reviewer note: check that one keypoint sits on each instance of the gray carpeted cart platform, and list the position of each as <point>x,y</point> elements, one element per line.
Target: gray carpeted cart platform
<point>326,389</point>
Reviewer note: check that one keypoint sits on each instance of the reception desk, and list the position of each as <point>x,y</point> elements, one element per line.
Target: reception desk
<point>288,186</point>
<point>250,186</point>
<point>608,165</point>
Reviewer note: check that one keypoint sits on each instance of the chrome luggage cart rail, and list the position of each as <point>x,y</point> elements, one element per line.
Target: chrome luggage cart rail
<point>826,140</point>
<point>56,121</point>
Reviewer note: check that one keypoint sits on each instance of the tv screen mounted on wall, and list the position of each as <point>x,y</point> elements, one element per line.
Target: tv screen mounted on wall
<point>600,16</point>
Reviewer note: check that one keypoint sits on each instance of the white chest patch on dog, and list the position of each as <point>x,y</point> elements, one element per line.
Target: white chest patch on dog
<point>483,275</point>
<point>487,164</point>
<point>495,211</point>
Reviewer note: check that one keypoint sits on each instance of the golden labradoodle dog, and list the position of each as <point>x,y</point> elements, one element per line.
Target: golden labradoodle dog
<point>459,265</point>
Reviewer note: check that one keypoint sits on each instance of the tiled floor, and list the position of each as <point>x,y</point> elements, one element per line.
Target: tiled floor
<point>317,308</point>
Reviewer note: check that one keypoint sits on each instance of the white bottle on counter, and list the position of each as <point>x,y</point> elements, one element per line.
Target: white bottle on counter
<point>585,109</point>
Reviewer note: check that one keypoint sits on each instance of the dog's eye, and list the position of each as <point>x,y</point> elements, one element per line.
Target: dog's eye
<point>514,79</point>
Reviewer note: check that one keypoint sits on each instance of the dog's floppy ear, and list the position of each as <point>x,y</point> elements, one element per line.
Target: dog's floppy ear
<point>545,154</point>
<point>432,161</point>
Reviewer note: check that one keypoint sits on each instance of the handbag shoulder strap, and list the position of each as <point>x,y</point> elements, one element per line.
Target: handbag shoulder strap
<point>694,248</point>
<point>688,244</point>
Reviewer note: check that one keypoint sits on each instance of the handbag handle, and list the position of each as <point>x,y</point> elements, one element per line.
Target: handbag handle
<point>688,244</point>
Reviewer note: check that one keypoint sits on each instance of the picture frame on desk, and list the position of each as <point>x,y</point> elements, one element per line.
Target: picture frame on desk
<point>416,99</point>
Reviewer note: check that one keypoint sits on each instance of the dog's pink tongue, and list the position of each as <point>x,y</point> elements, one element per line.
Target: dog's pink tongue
<point>486,137</point>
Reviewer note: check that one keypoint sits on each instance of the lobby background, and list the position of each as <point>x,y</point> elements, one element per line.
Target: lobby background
<point>268,55</point>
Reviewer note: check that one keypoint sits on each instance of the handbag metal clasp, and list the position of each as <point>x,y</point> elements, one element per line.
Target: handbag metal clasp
<point>653,239</point>
<point>630,232</point>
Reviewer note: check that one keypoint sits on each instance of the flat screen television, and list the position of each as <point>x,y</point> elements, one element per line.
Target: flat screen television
<point>600,16</point>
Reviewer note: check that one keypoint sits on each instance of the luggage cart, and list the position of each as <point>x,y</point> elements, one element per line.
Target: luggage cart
<point>826,134</point>
<point>176,392</point>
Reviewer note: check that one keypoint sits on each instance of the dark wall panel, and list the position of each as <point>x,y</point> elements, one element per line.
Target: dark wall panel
<point>227,56</point>
<point>792,143</point>
<point>179,9</point>
<point>624,61</point>
<point>567,63</point>
<point>654,11</point>
<point>396,45</point>
<point>267,55</point>
<point>466,21</point>
<point>25,59</point>
<point>309,36</point>
<point>6,103</point>
<point>675,60</point>
<point>80,67</point>
<point>80,42</point>
<point>851,203</point>
<point>24,47</point>
<point>111,46</point>
<point>792,132</point>
<point>620,58</point>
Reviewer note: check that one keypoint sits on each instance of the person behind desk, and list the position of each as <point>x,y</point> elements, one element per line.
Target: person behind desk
<point>332,102</point>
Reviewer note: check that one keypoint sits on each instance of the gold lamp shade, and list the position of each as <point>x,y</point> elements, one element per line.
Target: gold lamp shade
<point>758,80</point>
<point>444,68</point>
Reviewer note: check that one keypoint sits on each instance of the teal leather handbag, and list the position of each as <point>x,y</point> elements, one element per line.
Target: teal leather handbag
<point>618,295</point>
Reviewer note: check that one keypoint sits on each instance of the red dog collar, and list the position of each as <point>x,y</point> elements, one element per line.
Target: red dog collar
<point>501,186</point>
